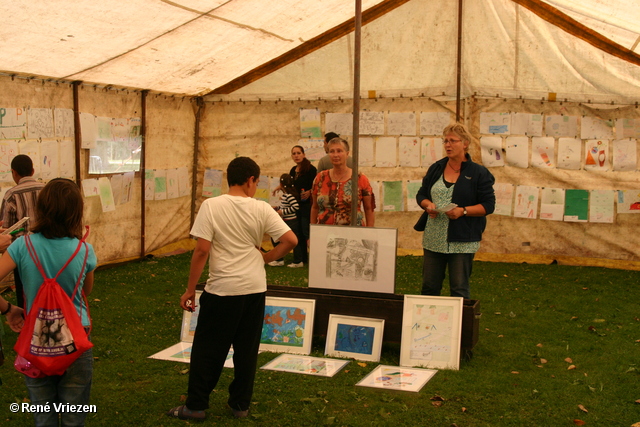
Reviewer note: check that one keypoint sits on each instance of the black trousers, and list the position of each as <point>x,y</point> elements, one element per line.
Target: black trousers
<point>222,322</point>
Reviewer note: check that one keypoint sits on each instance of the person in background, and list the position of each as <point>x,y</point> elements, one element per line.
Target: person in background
<point>325,162</point>
<point>453,237</point>
<point>332,191</point>
<point>229,230</point>
<point>303,174</point>
<point>18,202</point>
<point>288,210</point>
<point>55,238</point>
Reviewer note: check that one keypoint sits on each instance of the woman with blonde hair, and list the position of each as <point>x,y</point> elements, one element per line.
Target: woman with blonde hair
<point>457,195</point>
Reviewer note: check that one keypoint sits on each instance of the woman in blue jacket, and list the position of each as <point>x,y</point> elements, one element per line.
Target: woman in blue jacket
<point>452,237</point>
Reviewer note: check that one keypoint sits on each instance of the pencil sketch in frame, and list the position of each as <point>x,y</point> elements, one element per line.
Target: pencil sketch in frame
<point>431,331</point>
<point>190,320</point>
<point>357,337</point>
<point>288,325</point>
<point>353,258</point>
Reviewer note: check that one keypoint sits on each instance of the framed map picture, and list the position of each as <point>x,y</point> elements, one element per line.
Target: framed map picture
<point>356,337</point>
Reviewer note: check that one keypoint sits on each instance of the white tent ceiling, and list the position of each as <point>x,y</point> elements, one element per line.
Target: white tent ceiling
<point>194,47</point>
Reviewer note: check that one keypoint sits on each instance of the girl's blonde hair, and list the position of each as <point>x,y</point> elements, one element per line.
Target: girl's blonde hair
<point>460,130</point>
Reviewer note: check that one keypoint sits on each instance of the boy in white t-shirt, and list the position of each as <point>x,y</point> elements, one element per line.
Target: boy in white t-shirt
<point>229,231</point>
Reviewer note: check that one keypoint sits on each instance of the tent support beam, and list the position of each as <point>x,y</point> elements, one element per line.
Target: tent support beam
<point>355,191</point>
<point>143,168</point>
<point>306,48</point>
<point>76,132</point>
<point>573,27</point>
<point>196,149</point>
<point>459,64</point>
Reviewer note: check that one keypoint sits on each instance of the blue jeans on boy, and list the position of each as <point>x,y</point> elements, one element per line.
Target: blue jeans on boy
<point>434,266</point>
<point>73,387</point>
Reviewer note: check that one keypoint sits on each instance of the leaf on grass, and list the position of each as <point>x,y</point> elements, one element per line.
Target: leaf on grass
<point>497,312</point>
<point>383,413</point>
<point>329,420</point>
<point>438,398</point>
<point>638,401</point>
<point>515,372</point>
<point>184,371</point>
<point>571,367</point>
<point>599,320</point>
<point>635,425</point>
<point>464,409</point>
<point>583,409</point>
<point>364,365</point>
<point>437,404</point>
<point>568,360</point>
<point>309,399</point>
<point>500,336</point>
<point>538,345</point>
<point>579,422</point>
<point>543,361</point>
<point>183,398</point>
<point>574,317</point>
<point>96,300</point>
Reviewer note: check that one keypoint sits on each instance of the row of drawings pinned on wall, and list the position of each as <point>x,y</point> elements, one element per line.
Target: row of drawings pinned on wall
<point>160,184</point>
<point>431,330</point>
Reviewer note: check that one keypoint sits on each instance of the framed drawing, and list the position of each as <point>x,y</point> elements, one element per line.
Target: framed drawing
<point>353,258</point>
<point>356,337</point>
<point>288,325</point>
<point>189,321</point>
<point>395,378</point>
<point>181,352</point>
<point>317,366</point>
<point>431,329</point>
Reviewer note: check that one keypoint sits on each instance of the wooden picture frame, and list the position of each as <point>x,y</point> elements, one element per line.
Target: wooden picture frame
<point>288,325</point>
<point>353,258</point>
<point>357,337</point>
<point>431,330</point>
<point>189,321</point>
<point>397,378</point>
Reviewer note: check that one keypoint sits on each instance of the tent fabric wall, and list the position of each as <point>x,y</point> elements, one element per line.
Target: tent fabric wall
<point>267,130</point>
<point>116,235</point>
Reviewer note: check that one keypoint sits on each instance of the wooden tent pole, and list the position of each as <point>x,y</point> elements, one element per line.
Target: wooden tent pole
<point>355,200</point>
<point>143,168</point>
<point>459,64</point>
<point>196,149</point>
<point>76,132</point>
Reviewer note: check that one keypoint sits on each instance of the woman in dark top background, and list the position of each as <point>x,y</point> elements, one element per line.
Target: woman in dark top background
<point>303,174</point>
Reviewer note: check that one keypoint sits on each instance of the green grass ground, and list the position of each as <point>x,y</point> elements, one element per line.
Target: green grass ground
<point>534,319</point>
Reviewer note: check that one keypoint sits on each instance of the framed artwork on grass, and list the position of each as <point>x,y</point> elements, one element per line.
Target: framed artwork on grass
<point>189,321</point>
<point>431,329</point>
<point>396,378</point>
<point>356,337</point>
<point>308,365</point>
<point>353,258</point>
<point>288,325</point>
<point>181,352</point>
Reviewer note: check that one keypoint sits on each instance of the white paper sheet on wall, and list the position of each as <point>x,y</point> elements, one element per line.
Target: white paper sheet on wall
<point>49,160</point>
<point>90,187</point>
<point>401,124</point>
<point>517,151</point>
<point>32,149</point>
<point>409,151</point>
<point>13,123</point>
<point>149,184</point>
<point>495,123</point>
<point>67,159</point>
<point>543,152</point>
<point>552,204</point>
<point>627,128</point>
<point>433,123</point>
<point>88,130</point>
<point>116,187</point>
<point>8,150</point>
<point>569,150</point>
<point>310,123</point>
<point>386,152</point>
<point>106,194</point>
<point>561,126</point>
<point>64,122</point>
<point>595,128</point>
<point>40,123</point>
<point>127,187</point>
<point>431,151</point>
<point>625,155</point>
<point>491,150</point>
<point>596,155</point>
<point>526,124</point>
<point>504,199</point>
<point>340,123</point>
<point>173,189</point>
<point>183,181</point>
<point>160,184</point>
<point>601,206</point>
<point>371,123</point>
<point>412,190</point>
<point>526,202</point>
<point>366,154</point>
<point>313,148</point>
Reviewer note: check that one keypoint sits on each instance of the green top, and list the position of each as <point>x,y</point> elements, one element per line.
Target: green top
<point>435,233</point>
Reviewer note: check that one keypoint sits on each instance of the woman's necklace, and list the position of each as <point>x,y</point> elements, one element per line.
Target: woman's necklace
<point>338,178</point>
<point>455,170</point>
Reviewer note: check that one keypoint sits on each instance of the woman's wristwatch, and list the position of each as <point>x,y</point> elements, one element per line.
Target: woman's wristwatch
<point>464,211</point>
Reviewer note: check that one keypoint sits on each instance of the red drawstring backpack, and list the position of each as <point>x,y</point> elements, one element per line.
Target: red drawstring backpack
<point>52,337</point>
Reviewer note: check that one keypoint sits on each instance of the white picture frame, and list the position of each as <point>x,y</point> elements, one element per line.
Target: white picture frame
<point>397,378</point>
<point>287,325</point>
<point>353,258</point>
<point>357,337</point>
<point>190,321</point>
<point>431,331</point>
<point>317,366</point>
<point>181,352</point>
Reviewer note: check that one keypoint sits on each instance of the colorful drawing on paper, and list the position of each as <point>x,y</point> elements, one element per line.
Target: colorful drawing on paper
<point>283,326</point>
<point>354,338</point>
<point>395,378</point>
<point>13,123</point>
<point>355,259</point>
<point>306,365</point>
<point>431,333</point>
<point>310,123</point>
<point>212,183</point>
<point>371,123</point>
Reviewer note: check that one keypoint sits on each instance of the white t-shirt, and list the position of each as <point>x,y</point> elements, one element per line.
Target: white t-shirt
<point>235,227</point>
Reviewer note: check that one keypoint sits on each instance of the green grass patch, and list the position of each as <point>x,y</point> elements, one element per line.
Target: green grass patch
<point>538,321</point>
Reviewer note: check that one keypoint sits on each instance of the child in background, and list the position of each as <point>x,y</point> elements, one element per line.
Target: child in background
<point>288,210</point>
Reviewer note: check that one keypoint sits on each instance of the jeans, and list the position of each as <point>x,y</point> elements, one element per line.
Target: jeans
<point>222,322</point>
<point>435,264</point>
<point>73,387</point>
